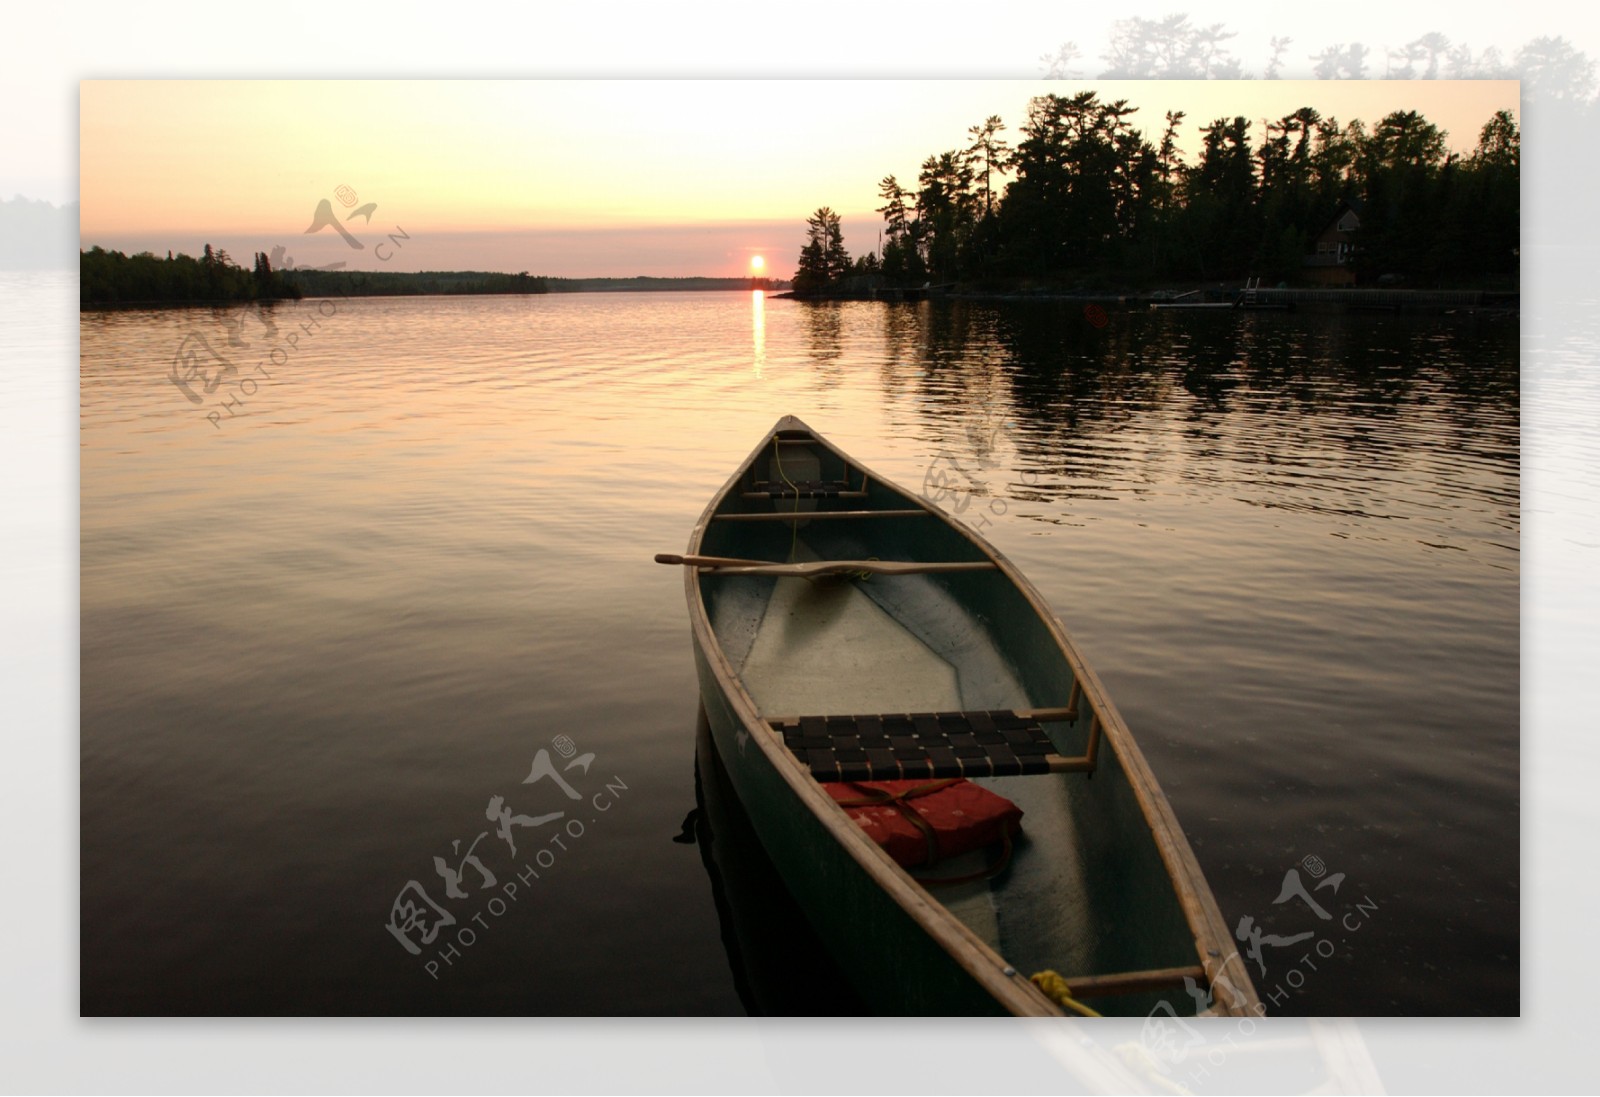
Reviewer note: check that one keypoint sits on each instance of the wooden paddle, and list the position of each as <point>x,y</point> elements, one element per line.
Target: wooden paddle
<point>727,565</point>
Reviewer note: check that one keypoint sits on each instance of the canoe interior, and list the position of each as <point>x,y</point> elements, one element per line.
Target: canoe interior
<point>1087,892</point>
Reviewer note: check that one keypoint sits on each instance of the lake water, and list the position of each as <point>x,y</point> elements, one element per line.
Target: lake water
<point>325,624</point>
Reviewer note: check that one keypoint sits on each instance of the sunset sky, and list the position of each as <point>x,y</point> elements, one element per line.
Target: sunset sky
<point>598,177</point>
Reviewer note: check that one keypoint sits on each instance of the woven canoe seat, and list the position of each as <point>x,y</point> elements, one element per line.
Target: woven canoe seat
<point>996,743</point>
<point>801,489</point>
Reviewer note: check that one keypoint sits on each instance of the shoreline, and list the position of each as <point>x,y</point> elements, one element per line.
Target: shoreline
<point>1348,299</point>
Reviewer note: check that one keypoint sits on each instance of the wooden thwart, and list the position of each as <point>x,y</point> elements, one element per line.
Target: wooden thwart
<point>1135,982</point>
<point>808,515</point>
<point>726,565</point>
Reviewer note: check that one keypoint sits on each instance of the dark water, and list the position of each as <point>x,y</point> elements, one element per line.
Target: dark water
<point>321,632</point>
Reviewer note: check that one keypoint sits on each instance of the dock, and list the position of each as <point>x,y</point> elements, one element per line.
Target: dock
<point>1379,299</point>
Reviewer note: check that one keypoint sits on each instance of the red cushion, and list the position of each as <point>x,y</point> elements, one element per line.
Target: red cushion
<point>962,816</point>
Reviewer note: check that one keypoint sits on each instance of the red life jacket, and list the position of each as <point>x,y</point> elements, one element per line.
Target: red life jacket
<point>922,822</point>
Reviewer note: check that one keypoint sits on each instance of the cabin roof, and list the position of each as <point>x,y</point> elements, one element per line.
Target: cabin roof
<point>1352,205</point>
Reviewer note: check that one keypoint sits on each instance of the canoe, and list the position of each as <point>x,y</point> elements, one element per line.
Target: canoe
<point>845,630</point>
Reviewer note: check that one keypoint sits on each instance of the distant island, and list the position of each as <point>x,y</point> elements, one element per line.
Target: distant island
<point>358,283</point>
<point>652,284</point>
<point>112,279</point>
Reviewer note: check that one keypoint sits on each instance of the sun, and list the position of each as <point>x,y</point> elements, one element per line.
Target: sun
<point>757,264</point>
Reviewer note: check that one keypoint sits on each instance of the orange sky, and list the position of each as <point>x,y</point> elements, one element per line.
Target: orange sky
<point>550,176</point>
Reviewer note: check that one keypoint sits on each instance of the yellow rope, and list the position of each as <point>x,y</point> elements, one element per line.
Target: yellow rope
<point>794,526</point>
<point>863,576</point>
<point>1055,988</point>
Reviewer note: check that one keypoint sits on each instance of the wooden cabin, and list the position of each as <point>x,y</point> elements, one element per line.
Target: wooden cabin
<point>1330,263</point>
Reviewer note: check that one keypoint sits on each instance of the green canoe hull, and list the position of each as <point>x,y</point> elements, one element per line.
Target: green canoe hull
<point>1103,888</point>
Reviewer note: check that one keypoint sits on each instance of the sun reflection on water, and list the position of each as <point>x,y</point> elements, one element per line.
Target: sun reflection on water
<point>758,330</point>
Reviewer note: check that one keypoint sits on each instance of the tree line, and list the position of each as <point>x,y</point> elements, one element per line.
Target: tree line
<point>1084,196</point>
<point>112,278</point>
<point>389,283</point>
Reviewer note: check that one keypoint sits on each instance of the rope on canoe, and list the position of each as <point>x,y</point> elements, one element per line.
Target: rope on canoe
<point>1055,988</point>
<point>794,526</point>
<point>862,576</point>
<point>878,796</point>
<point>874,797</point>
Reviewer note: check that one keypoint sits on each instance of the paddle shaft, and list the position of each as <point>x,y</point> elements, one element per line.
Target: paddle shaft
<point>708,561</point>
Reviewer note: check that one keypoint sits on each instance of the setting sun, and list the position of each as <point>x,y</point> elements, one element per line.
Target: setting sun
<point>757,264</point>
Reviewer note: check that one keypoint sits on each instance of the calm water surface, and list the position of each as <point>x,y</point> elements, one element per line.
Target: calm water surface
<point>321,632</point>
